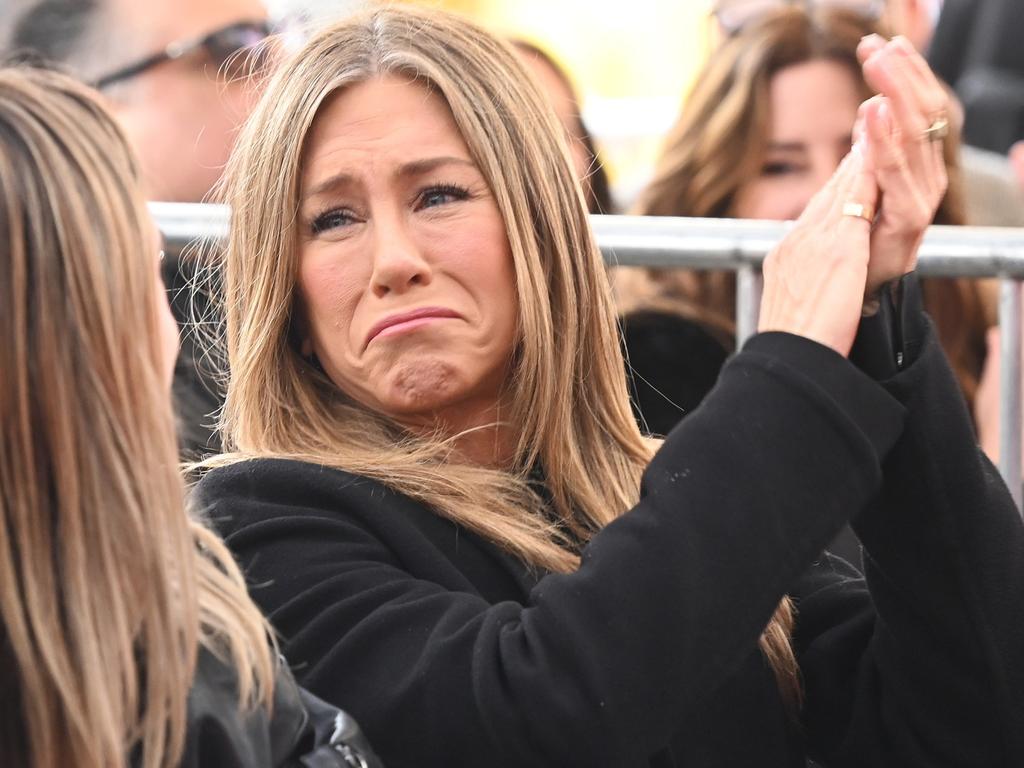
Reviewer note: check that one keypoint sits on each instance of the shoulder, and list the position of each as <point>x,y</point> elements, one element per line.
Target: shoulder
<point>265,489</point>
<point>276,497</point>
<point>273,479</point>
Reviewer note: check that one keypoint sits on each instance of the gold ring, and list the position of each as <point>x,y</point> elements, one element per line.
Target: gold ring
<point>860,211</point>
<point>937,131</point>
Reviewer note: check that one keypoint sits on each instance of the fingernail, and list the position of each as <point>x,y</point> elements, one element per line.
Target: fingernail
<point>903,45</point>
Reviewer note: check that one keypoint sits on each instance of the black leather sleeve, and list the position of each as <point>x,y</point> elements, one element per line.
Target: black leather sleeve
<point>301,731</point>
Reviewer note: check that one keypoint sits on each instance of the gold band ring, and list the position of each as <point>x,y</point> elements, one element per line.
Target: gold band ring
<point>937,131</point>
<point>860,211</point>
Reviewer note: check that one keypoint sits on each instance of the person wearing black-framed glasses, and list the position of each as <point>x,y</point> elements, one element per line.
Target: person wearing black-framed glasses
<point>235,48</point>
<point>175,74</point>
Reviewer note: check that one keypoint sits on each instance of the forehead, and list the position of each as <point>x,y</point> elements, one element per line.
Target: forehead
<point>154,24</point>
<point>386,120</point>
<point>813,97</point>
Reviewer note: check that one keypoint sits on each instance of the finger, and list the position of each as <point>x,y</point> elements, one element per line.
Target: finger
<point>859,124</point>
<point>868,46</point>
<point>845,179</point>
<point>891,72</point>
<point>927,180</point>
<point>883,152</point>
<point>908,199</point>
<point>890,75</point>
<point>931,90</point>
<point>824,200</point>
<point>861,188</point>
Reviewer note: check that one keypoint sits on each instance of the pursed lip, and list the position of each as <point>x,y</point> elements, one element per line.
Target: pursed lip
<point>405,317</point>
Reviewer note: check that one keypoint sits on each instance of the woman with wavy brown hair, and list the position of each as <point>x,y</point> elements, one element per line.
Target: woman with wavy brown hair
<point>767,122</point>
<point>126,633</point>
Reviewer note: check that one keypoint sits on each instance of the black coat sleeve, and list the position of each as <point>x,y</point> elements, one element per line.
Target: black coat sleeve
<point>598,667</point>
<point>922,663</point>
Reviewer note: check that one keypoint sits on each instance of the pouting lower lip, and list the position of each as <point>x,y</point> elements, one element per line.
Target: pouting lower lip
<point>425,313</point>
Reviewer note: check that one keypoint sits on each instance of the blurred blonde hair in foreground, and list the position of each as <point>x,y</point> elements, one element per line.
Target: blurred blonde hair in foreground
<point>107,588</point>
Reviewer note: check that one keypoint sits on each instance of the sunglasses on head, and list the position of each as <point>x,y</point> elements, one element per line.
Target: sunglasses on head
<point>734,15</point>
<point>233,48</point>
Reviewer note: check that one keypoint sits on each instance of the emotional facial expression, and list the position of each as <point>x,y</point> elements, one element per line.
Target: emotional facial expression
<point>813,110</point>
<point>406,283</point>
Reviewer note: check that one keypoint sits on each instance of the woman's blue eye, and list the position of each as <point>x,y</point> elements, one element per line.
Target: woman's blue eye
<point>439,195</point>
<point>330,220</point>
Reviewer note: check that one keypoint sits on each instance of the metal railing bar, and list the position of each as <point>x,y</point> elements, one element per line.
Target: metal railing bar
<point>1010,386</point>
<point>748,302</point>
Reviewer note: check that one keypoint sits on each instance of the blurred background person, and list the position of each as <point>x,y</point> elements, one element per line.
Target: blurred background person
<point>767,124</point>
<point>162,65</point>
<point>127,636</point>
<point>174,73</point>
<point>992,198</point>
<point>555,83</point>
<point>977,50</point>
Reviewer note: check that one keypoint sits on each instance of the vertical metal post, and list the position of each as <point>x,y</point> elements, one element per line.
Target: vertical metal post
<point>748,302</point>
<point>1010,386</point>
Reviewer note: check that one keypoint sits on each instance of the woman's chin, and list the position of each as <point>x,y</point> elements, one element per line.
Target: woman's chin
<point>420,388</point>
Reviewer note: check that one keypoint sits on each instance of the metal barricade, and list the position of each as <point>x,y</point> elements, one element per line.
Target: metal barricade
<point>739,245</point>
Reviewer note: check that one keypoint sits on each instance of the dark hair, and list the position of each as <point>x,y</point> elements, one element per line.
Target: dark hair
<point>55,31</point>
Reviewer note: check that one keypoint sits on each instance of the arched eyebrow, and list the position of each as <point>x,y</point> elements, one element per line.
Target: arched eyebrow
<point>407,170</point>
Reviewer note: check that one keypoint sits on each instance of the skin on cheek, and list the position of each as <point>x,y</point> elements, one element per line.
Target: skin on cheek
<point>328,300</point>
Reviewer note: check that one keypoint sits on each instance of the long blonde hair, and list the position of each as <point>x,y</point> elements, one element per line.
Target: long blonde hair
<point>567,395</point>
<point>718,144</point>
<point>107,588</point>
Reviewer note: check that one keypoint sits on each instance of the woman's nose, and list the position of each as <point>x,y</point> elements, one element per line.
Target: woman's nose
<point>399,262</point>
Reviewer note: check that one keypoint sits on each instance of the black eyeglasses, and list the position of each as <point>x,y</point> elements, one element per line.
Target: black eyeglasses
<point>227,47</point>
<point>734,15</point>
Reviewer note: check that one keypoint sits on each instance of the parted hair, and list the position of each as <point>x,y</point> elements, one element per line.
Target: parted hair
<point>718,143</point>
<point>107,587</point>
<point>567,392</point>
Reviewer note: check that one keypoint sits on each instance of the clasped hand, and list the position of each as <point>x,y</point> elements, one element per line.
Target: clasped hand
<point>863,229</point>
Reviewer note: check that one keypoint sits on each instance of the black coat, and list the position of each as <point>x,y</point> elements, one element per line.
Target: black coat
<point>451,653</point>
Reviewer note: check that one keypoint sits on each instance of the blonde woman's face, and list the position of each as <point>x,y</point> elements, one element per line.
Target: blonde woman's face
<point>406,283</point>
<point>813,109</point>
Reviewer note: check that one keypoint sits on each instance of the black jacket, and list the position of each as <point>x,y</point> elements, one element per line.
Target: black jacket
<point>300,731</point>
<point>451,653</point>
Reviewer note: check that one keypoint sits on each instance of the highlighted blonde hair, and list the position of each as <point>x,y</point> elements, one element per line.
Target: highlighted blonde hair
<point>567,394</point>
<point>107,588</point>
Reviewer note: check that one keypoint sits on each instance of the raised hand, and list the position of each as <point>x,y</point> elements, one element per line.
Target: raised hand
<point>814,280</point>
<point>904,128</point>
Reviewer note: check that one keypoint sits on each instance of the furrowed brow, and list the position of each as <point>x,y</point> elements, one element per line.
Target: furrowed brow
<point>420,167</point>
<point>329,184</point>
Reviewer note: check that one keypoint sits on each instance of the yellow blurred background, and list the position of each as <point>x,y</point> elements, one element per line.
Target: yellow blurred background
<point>632,63</point>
